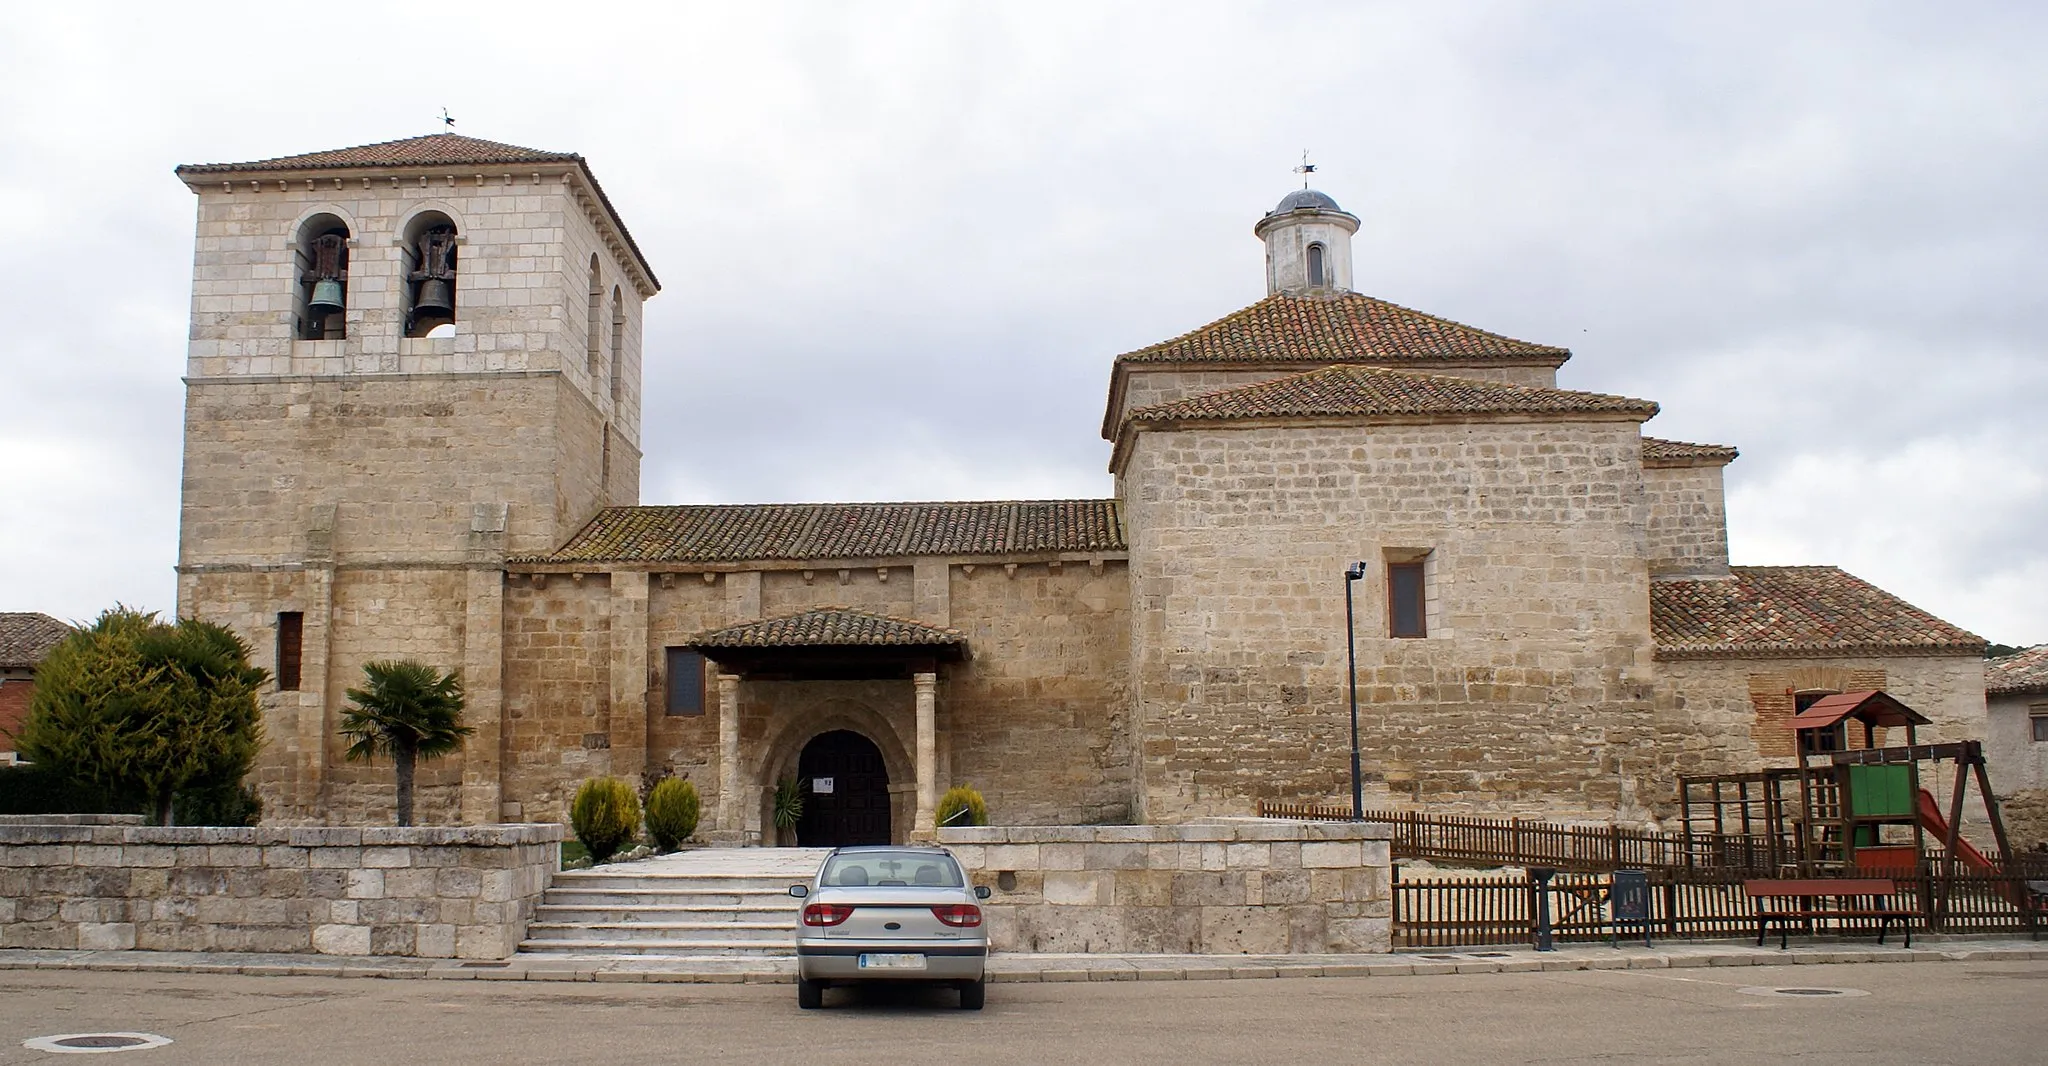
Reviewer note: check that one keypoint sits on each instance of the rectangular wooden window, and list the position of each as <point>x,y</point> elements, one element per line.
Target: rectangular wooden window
<point>685,682</point>
<point>1406,601</point>
<point>291,637</point>
<point>2040,721</point>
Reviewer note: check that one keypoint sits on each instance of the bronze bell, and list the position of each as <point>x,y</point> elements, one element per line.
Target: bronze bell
<point>437,298</point>
<point>327,297</point>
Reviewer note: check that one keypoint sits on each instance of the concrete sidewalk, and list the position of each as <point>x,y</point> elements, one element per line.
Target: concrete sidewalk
<point>1025,967</point>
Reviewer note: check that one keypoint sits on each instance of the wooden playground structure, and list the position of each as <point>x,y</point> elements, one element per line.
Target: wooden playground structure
<point>1844,808</point>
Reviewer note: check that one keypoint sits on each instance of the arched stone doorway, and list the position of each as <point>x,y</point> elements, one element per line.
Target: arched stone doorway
<point>846,787</point>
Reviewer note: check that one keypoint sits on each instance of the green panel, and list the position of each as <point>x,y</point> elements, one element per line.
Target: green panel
<point>1880,791</point>
<point>1866,836</point>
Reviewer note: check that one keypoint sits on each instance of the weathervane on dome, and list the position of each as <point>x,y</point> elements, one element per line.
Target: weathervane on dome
<point>447,120</point>
<point>1305,169</point>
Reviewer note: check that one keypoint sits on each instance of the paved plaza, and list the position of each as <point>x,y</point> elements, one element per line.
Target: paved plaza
<point>1914,1012</point>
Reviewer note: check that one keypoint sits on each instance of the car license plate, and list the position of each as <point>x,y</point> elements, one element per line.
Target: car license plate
<point>892,962</point>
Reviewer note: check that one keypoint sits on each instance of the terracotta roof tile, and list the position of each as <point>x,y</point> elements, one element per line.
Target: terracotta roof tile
<point>1771,611</point>
<point>1678,452</point>
<point>1364,391</point>
<point>1347,328</point>
<point>722,533</point>
<point>27,636</point>
<point>2019,674</point>
<point>829,626</point>
<point>439,149</point>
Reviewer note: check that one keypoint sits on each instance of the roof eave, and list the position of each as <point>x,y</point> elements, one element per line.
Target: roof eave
<point>1126,437</point>
<point>1679,652</point>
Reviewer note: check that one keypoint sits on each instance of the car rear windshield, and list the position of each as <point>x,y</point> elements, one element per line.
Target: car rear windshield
<point>913,869</point>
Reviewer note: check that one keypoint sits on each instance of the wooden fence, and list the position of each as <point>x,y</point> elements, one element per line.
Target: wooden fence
<point>1684,905</point>
<point>1520,842</point>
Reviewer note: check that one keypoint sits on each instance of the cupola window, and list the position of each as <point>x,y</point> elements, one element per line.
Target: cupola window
<point>429,274</point>
<point>1316,276</point>
<point>321,299</point>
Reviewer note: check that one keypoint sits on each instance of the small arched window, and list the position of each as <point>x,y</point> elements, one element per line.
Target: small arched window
<point>1316,274</point>
<point>429,273</point>
<point>320,299</point>
<point>593,328</point>
<point>618,340</point>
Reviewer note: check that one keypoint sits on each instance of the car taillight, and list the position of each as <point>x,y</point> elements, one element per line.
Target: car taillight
<point>958,915</point>
<point>827,913</point>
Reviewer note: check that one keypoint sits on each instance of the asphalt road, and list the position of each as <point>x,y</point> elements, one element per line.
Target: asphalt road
<point>1909,1013</point>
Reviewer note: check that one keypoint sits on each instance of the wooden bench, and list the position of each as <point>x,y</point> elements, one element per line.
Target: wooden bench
<point>1801,900</point>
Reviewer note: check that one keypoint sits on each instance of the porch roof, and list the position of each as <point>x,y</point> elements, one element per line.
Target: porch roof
<point>1870,706</point>
<point>831,642</point>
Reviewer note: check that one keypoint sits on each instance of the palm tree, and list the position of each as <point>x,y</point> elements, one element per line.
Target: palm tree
<point>407,710</point>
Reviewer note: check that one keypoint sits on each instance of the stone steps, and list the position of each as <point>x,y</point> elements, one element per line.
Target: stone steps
<point>707,902</point>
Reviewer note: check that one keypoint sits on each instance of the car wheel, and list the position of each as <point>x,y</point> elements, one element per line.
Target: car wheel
<point>810,995</point>
<point>971,995</point>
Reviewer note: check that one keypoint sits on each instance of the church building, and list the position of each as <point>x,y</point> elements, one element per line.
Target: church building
<point>413,427</point>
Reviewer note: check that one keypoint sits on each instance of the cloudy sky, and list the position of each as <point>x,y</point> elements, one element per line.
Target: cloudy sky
<point>901,243</point>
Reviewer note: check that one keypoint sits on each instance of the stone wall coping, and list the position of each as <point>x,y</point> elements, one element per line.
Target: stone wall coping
<point>70,819</point>
<point>1247,831</point>
<point>431,836</point>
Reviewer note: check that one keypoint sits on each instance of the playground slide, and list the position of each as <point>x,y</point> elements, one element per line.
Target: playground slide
<point>1932,821</point>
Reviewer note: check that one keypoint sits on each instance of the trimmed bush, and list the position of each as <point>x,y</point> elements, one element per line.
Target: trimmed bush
<point>605,816</point>
<point>957,799</point>
<point>672,811</point>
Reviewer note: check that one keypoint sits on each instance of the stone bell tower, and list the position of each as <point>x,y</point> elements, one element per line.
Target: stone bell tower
<point>407,361</point>
<point>1308,245</point>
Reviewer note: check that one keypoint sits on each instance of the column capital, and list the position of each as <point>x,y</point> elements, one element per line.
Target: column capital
<point>924,681</point>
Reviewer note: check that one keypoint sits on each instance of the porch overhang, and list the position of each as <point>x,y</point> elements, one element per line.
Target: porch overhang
<point>831,644</point>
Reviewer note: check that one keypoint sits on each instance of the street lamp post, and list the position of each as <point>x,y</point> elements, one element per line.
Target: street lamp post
<point>1351,576</point>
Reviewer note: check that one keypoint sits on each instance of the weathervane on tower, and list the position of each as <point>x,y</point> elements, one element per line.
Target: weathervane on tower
<point>1305,169</point>
<point>447,120</point>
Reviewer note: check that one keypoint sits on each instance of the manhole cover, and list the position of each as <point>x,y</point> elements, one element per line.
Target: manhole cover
<point>1439,958</point>
<point>1490,955</point>
<point>1809,993</point>
<point>95,1043</point>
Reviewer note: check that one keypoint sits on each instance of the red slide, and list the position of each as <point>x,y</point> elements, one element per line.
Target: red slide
<point>1932,821</point>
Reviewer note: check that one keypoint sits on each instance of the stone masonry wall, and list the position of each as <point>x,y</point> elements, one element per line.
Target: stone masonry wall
<point>1531,693</point>
<point>1220,889</point>
<point>436,893</point>
<point>2019,766</point>
<point>1687,525</point>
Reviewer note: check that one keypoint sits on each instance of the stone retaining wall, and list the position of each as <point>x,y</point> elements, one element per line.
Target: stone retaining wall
<point>434,892</point>
<point>1211,889</point>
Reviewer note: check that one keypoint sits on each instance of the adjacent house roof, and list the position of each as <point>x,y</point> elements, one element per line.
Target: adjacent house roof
<point>1350,391</point>
<point>1793,611</point>
<point>1679,453</point>
<point>2020,674</point>
<point>1346,328</point>
<point>829,627</point>
<point>27,636</point>
<point>730,533</point>
<point>433,150</point>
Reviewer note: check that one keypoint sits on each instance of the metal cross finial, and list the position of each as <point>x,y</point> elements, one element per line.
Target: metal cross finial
<point>447,120</point>
<point>1305,169</point>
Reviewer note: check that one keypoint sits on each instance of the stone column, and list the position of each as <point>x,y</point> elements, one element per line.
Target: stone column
<point>731,812</point>
<point>483,688</point>
<point>927,686</point>
<point>628,719</point>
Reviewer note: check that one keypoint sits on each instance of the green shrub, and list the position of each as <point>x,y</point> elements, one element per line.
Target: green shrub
<point>957,799</point>
<point>221,804</point>
<point>789,804</point>
<point>605,816</point>
<point>672,810</point>
<point>35,789</point>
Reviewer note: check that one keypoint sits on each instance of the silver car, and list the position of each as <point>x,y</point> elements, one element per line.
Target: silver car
<point>890,914</point>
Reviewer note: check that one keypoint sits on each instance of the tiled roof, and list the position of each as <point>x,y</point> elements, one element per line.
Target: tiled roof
<point>723,533</point>
<point>1347,328</point>
<point>1350,391</point>
<point>2020,674</point>
<point>1796,611</point>
<point>27,636</point>
<point>439,149</point>
<point>1678,451</point>
<point>829,626</point>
